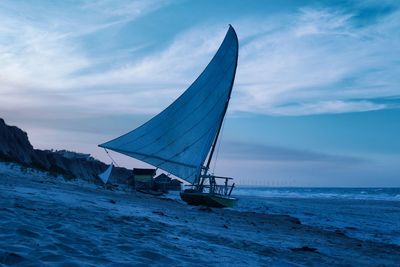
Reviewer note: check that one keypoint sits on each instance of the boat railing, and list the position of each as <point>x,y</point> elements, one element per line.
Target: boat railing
<point>221,189</point>
<point>208,184</point>
<point>224,190</point>
<point>216,177</point>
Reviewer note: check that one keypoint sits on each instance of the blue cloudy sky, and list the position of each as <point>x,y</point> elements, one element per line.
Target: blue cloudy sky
<point>316,100</point>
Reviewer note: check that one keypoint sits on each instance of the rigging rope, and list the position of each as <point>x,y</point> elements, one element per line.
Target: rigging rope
<point>219,145</point>
<point>108,154</point>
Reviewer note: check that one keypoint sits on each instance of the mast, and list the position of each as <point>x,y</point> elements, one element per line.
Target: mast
<point>225,109</point>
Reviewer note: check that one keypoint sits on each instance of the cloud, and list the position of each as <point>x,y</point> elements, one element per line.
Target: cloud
<point>313,61</point>
<point>317,61</point>
<point>43,49</point>
<point>266,165</point>
<point>321,107</point>
<point>268,153</point>
<point>308,173</point>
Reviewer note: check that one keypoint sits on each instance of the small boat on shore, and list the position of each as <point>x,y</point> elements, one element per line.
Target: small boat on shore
<point>181,138</point>
<point>197,197</point>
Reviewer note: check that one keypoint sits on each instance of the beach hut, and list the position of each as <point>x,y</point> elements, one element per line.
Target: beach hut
<point>143,178</point>
<point>165,183</point>
<point>161,182</point>
<point>175,185</point>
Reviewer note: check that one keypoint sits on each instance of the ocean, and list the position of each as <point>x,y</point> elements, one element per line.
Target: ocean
<point>363,213</point>
<point>389,194</point>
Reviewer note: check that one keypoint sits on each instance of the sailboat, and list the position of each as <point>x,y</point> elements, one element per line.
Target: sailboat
<point>181,139</point>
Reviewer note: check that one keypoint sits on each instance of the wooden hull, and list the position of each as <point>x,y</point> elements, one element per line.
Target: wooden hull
<point>207,199</point>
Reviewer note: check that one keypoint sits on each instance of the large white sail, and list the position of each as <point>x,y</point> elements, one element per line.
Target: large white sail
<point>179,138</point>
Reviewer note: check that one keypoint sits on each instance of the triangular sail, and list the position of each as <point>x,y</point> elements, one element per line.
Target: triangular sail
<point>106,174</point>
<point>179,138</point>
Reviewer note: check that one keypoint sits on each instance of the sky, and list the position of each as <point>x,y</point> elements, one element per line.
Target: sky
<point>316,100</point>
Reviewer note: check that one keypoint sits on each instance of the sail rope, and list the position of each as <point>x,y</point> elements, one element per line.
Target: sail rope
<point>219,145</point>
<point>108,154</point>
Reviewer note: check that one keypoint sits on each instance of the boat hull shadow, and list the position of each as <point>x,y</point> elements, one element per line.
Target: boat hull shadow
<point>195,198</point>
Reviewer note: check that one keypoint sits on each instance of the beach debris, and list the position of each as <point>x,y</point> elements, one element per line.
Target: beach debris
<point>304,249</point>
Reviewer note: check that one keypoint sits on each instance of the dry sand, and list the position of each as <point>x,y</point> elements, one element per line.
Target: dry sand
<point>49,221</point>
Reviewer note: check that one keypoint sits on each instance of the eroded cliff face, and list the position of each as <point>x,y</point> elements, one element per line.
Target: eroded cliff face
<point>15,147</point>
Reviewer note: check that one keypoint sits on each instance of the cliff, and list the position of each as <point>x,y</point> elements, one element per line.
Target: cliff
<point>15,147</point>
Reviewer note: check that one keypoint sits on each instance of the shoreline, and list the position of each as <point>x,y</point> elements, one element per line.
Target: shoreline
<point>364,219</point>
<point>51,221</point>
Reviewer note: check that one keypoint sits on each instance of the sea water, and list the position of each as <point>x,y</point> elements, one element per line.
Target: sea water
<point>389,194</point>
<point>363,213</point>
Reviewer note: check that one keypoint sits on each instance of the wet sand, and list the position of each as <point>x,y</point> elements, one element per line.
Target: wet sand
<point>48,221</point>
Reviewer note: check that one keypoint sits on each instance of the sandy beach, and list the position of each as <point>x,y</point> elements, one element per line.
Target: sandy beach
<point>48,221</point>
<point>374,217</point>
